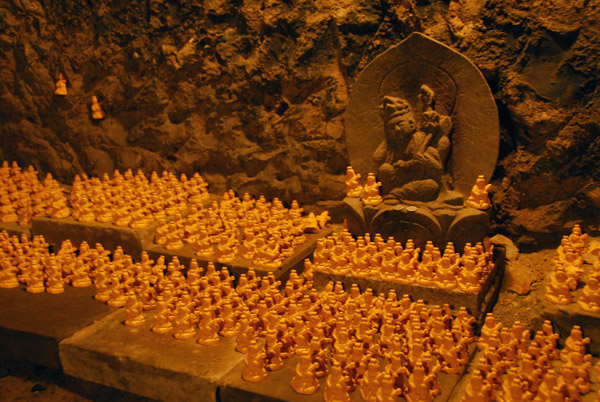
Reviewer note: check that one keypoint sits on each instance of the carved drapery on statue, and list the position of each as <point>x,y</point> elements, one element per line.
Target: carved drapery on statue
<point>422,118</point>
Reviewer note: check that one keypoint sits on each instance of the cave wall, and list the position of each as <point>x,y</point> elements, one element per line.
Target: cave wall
<point>251,93</point>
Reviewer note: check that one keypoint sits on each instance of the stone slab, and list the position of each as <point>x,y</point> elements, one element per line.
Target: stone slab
<point>55,231</point>
<point>565,317</point>
<point>14,229</point>
<point>477,303</point>
<point>142,362</point>
<point>32,325</point>
<point>240,265</point>
<point>277,387</point>
<point>459,391</point>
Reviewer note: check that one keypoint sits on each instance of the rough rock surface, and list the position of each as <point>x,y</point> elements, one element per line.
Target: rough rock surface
<point>251,93</point>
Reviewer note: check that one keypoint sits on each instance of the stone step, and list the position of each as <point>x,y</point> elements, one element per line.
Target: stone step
<point>32,325</point>
<point>142,362</point>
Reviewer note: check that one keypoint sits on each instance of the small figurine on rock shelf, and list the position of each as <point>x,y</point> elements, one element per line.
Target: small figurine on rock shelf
<point>97,112</point>
<point>558,289</point>
<point>61,85</point>
<point>353,186</point>
<point>371,194</point>
<point>479,198</point>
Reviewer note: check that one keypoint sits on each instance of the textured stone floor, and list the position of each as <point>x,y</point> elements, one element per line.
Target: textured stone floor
<point>20,382</point>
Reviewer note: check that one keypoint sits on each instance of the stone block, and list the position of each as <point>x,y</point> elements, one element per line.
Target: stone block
<point>142,362</point>
<point>14,229</point>
<point>32,325</point>
<point>277,386</point>
<point>240,265</point>
<point>55,231</point>
<point>478,304</point>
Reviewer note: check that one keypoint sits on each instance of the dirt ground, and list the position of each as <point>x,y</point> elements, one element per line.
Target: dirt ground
<point>512,306</point>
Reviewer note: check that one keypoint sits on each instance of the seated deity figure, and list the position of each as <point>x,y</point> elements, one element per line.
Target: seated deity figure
<point>412,157</point>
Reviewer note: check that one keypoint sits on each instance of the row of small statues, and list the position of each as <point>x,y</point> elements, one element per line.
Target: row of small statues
<point>133,200</point>
<point>125,200</point>
<point>263,232</point>
<point>332,332</point>
<point>512,367</point>
<point>341,334</point>
<point>62,90</point>
<point>30,263</point>
<point>569,269</point>
<point>387,260</point>
<point>23,196</point>
<point>370,194</point>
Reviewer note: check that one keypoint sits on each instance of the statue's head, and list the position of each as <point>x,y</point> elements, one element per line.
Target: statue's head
<point>398,118</point>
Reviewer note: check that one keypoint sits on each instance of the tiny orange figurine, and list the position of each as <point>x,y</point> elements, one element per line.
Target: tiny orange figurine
<point>61,85</point>
<point>479,198</point>
<point>371,194</point>
<point>97,112</point>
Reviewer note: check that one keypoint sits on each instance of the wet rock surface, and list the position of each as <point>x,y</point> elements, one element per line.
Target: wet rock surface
<point>252,93</point>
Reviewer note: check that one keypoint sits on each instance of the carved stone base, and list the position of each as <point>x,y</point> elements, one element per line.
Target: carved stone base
<point>420,222</point>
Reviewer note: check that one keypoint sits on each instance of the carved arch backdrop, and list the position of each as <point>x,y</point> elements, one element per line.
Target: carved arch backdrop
<point>461,92</point>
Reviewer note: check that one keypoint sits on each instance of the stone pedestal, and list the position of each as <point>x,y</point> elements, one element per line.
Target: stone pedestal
<point>419,221</point>
<point>55,231</point>
<point>240,265</point>
<point>478,304</point>
<point>14,229</point>
<point>565,317</point>
<point>277,386</point>
<point>32,325</point>
<point>142,362</point>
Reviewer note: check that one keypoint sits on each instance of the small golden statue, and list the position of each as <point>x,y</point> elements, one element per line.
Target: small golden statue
<point>97,112</point>
<point>61,85</point>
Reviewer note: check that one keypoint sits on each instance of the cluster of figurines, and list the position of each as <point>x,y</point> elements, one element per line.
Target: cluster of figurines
<point>61,89</point>
<point>569,271</point>
<point>387,260</point>
<point>133,200</point>
<point>514,368</point>
<point>31,263</point>
<point>23,196</point>
<point>382,345</point>
<point>370,194</point>
<point>263,232</point>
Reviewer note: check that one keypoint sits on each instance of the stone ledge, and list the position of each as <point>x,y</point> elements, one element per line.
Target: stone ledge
<point>240,265</point>
<point>142,362</point>
<point>32,325</point>
<point>14,229</point>
<point>477,303</point>
<point>277,386</point>
<point>55,231</point>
